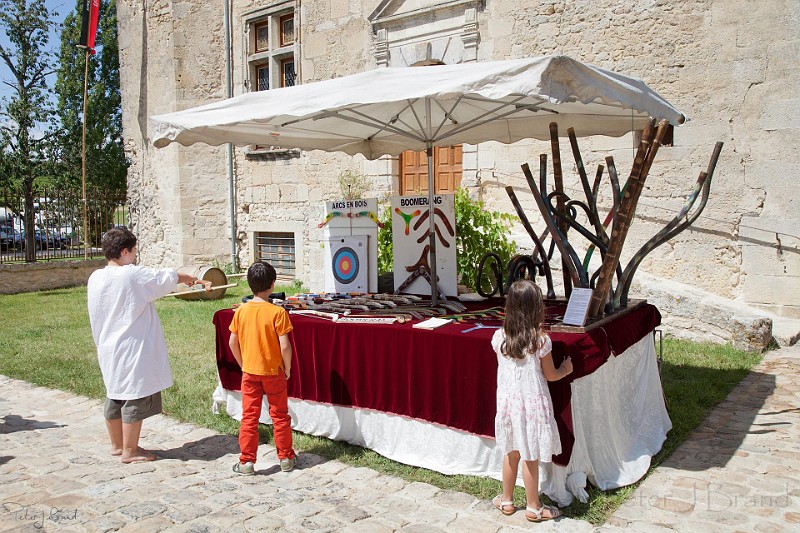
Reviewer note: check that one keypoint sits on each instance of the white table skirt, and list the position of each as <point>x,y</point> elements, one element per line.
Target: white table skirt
<point>619,421</point>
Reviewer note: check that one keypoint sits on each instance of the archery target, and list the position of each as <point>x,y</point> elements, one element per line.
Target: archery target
<point>346,260</point>
<point>345,265</point>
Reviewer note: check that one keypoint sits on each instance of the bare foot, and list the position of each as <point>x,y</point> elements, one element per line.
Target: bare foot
<point>116,451</point>
<point>141,455</point>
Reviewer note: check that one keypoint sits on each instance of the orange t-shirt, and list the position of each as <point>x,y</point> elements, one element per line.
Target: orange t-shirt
<point>258,326</point>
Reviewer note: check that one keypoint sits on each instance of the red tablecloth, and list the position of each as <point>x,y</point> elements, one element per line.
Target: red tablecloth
<point>441,376</point>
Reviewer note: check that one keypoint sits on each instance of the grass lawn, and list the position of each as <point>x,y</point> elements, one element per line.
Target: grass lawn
<point>45,339</point>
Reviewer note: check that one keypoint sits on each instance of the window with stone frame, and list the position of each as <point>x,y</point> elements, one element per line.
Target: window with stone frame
<point>270,47</point>
<point>270,54</point>
<point>277,249</point>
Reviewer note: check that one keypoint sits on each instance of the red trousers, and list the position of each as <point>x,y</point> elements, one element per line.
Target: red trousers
<point>253,390</point>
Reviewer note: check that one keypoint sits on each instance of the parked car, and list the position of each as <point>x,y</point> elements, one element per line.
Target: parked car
<point>46,240</point>
<point>53,240</point>
<point>10,239</point>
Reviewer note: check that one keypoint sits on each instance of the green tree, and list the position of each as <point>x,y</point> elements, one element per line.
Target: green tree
<point>106,164</point>
<point>479,231</point>
<point>27,110</point>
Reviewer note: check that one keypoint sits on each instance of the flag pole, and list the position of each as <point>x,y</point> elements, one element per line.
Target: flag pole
<point>83,153</point>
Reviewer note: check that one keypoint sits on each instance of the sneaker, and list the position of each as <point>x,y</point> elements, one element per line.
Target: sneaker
<point>287,465</point>
<point>244,468</point>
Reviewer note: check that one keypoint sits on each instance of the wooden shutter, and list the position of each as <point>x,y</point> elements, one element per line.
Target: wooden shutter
<point>447,168</point>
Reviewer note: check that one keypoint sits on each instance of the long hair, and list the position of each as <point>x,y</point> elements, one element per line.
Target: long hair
<point>524,317</point>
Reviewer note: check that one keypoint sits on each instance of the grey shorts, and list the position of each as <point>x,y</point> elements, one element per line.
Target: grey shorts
<point>132,410</point>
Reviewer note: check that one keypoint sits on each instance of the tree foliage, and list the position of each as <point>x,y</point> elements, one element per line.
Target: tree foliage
<point>479,231</point>
<point>27,111</point>
<point>385,242</point>
<point>106,164</point>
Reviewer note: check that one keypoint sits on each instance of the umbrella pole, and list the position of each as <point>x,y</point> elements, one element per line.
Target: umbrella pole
<point>431,233</point>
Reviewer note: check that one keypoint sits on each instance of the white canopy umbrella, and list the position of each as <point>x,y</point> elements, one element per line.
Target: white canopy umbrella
<point>390,110</point>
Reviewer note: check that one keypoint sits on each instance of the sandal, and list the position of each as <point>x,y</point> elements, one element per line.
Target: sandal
<point>537,513</point>
<point>501,505</point>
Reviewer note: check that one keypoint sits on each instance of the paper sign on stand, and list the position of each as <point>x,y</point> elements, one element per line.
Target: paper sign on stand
<point>578,306</point>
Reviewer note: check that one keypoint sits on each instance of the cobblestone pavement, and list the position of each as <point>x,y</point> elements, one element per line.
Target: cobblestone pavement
<point>56,474</point>
<point>737,472</point>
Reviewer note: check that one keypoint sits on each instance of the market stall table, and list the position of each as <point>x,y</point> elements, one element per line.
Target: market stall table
<point>427,398</point>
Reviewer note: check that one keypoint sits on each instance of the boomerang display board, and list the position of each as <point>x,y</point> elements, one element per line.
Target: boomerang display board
<point>352,218</point>
<point>410,226</point>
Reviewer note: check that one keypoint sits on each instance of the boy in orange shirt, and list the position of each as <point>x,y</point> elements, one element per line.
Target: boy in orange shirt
<point>260,343</point>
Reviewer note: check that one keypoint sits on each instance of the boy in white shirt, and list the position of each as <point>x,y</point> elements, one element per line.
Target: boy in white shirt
<point>130,343</point>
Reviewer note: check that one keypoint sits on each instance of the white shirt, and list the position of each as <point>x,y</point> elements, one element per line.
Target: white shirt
<point>130,342</point>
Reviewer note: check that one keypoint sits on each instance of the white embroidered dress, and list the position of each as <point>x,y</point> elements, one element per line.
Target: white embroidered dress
<point>524,419</point>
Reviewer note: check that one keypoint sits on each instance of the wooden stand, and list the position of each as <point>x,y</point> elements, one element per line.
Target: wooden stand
<point>597,322</point>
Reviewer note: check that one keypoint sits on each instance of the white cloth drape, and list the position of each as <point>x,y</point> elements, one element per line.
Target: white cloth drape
<point>619,421</point>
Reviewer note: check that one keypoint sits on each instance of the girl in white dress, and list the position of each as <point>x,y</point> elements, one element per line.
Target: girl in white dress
<point>525,427</point>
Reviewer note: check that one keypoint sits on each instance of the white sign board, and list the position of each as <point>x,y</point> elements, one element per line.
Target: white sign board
<point>410,227</point>
<point>353,218</point>
<point>346,264</point>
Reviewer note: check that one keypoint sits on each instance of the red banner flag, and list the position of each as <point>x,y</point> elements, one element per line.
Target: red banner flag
<point>91,12</point>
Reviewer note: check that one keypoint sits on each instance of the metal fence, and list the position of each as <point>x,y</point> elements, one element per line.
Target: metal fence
<point>58,231</point>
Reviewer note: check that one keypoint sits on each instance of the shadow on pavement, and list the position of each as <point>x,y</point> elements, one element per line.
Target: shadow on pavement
<point>713,410</point>
<point>206,449</point>
<point>14,423</point>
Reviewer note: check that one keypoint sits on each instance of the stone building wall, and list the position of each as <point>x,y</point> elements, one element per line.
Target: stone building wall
<point>178,198</point>
<point>729,65</point>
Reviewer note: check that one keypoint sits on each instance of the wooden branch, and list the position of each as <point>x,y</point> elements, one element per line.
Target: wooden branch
<point>569,258</point>
<point>648,147</point>
<point>594,219</point>
<point>536,241</point>
<point>558,179</point>
<point>596,187</point>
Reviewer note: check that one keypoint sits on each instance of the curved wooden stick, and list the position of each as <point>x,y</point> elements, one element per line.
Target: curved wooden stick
<point>570,258</point>
<point>672,229</point>
<point>558,182</point>
<point>536,241</point>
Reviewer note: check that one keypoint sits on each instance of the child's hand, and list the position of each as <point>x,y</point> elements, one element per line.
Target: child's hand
<point>287,373</point>
<point>567,366</point>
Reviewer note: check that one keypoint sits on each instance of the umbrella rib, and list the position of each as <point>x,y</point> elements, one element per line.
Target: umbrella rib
<point>369,122</point>
<point>479,122</point>
<point>419,122</point>
<point>389,125</point>
<point>478,98</point>
<point>447,114</point>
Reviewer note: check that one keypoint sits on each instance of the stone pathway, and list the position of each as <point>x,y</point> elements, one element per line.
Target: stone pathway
<point>737,472</point>
<point>56,474</point>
